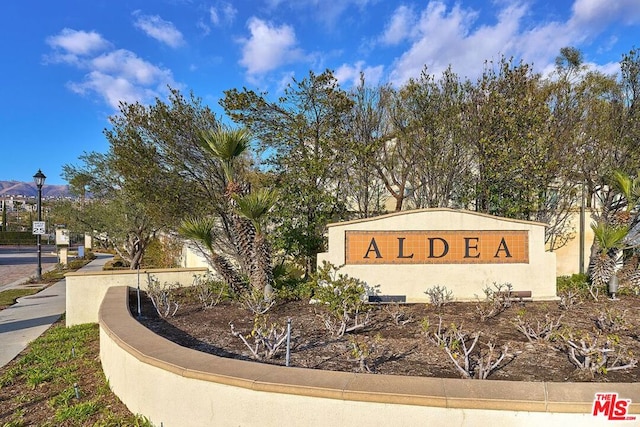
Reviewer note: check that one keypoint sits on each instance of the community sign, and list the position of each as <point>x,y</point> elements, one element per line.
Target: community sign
<point>402,255</point>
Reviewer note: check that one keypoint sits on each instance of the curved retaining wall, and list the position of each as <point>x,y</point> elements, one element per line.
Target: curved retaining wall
<point>175,386</point>
<point>85,290</point>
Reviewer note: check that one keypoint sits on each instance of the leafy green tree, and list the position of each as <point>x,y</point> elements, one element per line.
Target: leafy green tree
<point>154,174</point>
<point>157,153</point>
<point>112,215</point>
<point>435,122</point>
<point>516,159</point>
<point>301,136</point>
<point>396,150</point>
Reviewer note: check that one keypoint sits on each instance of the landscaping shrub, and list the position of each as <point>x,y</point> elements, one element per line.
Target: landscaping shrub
<point>342,298</point>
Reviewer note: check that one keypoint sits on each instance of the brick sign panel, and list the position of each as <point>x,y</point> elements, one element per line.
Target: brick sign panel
<point>436,247</point>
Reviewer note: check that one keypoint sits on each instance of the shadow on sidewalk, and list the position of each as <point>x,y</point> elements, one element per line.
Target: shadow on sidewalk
<point>28,323</point>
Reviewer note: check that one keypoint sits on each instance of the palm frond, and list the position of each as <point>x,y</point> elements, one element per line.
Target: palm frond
<point>255,205</point>
<point>226,145</point>
<point>200,229</point>
<point>628,187</point>
<point>609,237</point>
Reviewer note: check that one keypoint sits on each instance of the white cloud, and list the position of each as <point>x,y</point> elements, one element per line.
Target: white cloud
<point>114,75</point>
<point>159,29</point>
<point>268,47</point>
<point>203,27</point>
<point>400,26</point>
<point>114,89</point>
<point>224,14</point>
<point>445,35</point>
<point>442,37</point>
<point>349,75</point>
<point>213,16</point>
<point>597,14</point>
<point>74,43</point>
<point>126,64</point>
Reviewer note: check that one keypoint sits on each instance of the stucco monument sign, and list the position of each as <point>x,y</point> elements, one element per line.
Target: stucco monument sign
<point>403,254</point>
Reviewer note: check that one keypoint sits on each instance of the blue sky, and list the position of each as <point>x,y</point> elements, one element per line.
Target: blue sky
<point>69,62</point>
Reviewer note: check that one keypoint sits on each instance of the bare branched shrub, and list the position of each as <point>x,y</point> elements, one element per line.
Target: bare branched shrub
<point>439,296</point>
<point>595,352</point>
<point>363,350</point>
<point>255,301</point>
<point>610,320</point>
<point>267,338</point>
<point>497,299</point>
<point>162,296</point>
<point>460,346</point>
<point>569,299</point>
<point>338,324</point>
<point>210,291</point>
<point>397,314</point>
<point>543,330</point>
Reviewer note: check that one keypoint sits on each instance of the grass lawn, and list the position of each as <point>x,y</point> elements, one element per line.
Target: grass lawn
<point>58,381</point>
<point>10,296</point>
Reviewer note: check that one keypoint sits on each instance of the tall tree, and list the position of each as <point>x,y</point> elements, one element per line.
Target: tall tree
<point>113,214</point>
<point>366,130</point>
<point>301,136</point>
<point>396,151</point>
<point>155,170</point>
<point>516,161</point>
<point>436,123</point>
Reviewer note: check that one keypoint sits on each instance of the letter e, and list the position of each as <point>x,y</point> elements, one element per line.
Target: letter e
<point>467,246</point>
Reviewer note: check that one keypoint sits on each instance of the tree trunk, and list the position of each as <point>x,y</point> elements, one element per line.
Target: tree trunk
<point>228,273</point>
<point>262,275</point>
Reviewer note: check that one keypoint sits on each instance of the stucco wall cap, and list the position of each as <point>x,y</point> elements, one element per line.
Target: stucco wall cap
<point>435,210</point>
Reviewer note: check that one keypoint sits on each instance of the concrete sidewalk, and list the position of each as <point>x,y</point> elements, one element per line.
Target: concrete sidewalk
<point>32,315</point>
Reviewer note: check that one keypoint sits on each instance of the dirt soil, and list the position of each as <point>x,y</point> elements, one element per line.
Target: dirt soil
<point>394,342</point>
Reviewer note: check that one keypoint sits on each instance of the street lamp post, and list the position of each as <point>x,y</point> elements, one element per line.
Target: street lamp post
<point>39,178</point>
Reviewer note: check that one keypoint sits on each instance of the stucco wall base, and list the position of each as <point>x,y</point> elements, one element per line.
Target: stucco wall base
<point>179,387</point>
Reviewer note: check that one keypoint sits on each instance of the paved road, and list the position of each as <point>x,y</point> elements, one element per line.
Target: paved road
<point>18,263</point>
<point>32,315</point>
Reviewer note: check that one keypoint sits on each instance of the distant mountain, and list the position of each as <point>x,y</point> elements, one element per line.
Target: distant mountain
<point>29,189</point>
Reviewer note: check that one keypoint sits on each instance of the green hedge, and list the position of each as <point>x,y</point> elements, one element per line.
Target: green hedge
<point>17,238</point>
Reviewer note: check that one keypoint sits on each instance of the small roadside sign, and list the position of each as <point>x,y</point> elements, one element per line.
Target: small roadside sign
<point>39,227</point>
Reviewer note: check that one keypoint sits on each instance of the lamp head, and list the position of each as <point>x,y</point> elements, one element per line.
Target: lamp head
<point>39,178</point>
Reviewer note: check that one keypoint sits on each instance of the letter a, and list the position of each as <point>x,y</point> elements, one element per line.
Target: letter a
<point>503,247</point>
<point>373,247</point>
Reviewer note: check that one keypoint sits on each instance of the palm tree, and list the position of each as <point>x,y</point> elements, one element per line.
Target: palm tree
<point>254,207</point>
<point>247,210</point>
<point>629,189</point>
<point>202,230</point>
<point>228,145</point>
<point>609,240</point>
